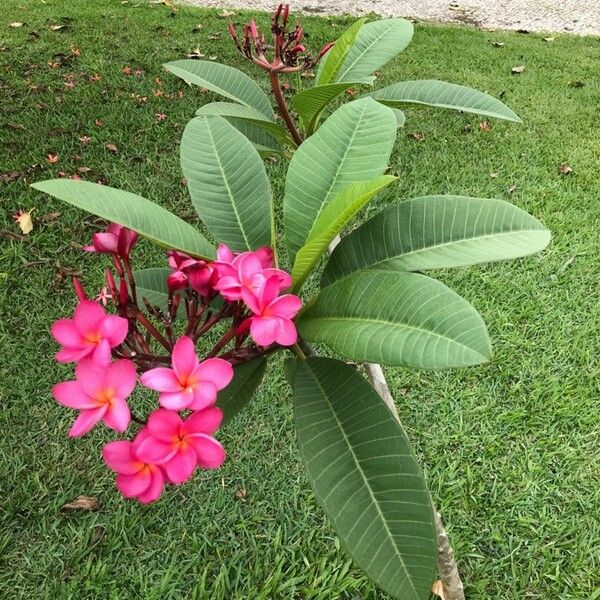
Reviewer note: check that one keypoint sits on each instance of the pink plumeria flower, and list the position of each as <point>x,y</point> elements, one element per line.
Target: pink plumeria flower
<point>272,318</point>
<point>91,332</point>
<point>248,270</point>
<point>100,393</point>
<point>117,240</point>
<point>200,275</point>
<point>135,478</point>
<point>190,383</point>
<point>180,446</point>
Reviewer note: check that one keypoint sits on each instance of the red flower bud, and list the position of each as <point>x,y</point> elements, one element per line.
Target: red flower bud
<point>232,31</point>
<point>123,293</point>
<point>79,291</point>
<point>298,48</point>
<point>117,240</point>
<point>254,30</point>
<point>176,281</point>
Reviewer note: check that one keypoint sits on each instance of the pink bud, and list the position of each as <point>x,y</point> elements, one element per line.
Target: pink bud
<point>123,293</point>
<point>232,31</point>
<point>286,12</point>
<point>254,30</point>
<point>298,48</point>
<point>299,34</point>
<point>79,291</point>
<point>176,281</point>
<point>326,48</point>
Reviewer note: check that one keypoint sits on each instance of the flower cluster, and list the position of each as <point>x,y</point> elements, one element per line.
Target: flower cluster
<point>152,344</point>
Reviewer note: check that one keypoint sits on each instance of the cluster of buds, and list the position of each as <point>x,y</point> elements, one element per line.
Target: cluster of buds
<point>112,351</point>
<point>289,53</point>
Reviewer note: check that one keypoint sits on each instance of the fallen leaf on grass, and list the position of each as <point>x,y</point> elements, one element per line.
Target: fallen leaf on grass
<point>215,36</point>
<point>565,169</point>
<point>16,24</point>
<point>57,27</point>
<point>81,503</point>
<point>419,136</point>
<point>518,70</point>
<point>498,44</point>
<point>15,126</point>
<point>549,39</point>
<point>485,126</point>
<point>198,27</point>
<point>111,148</point>
<point>24,220</point>
<point>511,189</point>
<point>226,14</point>
<point>52,158</point>
<point>576,83</point>
<point>241,494</point>
<point>438,589</point>
<point>195,53</point>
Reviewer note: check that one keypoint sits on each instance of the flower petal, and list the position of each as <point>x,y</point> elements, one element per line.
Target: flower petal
<point>286,306</point>
<point>114,329</point>
<point>101,354</point>
<point>203,421</point>
<point>88,316</point>
<point>286,333</point>
<point>161,380</point>
<point>153,451</point>
<point>118,416</point>
<point>73,354</point>
<point>118,457</point>
<point>264,330</point>
<point>164,424</point>
<point>72,394</point>
<point>86,420</point>
<point>252,301</point>
<point>156,487</point>
<point>122,376</point>
<point>205,394</point>
<point>224,253</point>
<point>216,370</point>
<point>211,453</point>
<point>176,400</point>
<point>90,375</point>
<point>184,357</point>
<point>285,279</point>
<point>134,485</point>
<point>66,334</point>
<point>181,466</point>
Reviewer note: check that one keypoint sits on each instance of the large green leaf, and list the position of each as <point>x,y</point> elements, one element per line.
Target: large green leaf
<point>147,218</point>
<point>444,95</point>
<point>238,393</point>
<point>366,477</point>
<point>336,215</point>
<point>353,144</point>
<point>228,183</point>
<point>152,285</point>
<point>223,80</point>
<point>231,110</point>
<point>311,102</point>
<point>334,59</point>
<point>375,45</point>
<point>396,318</point>
<point>436,232</point>
<point>264,142</point>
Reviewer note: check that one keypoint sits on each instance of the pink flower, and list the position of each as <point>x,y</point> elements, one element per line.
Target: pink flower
<point>200,275</point>
<point>116,240</point>
<point>91,332</point>
<point>248,270</point>
<point>189,384</point>
<point>180,446</point>
<point>135,478</point>
<point>99,392</point>
<point>272,319</point>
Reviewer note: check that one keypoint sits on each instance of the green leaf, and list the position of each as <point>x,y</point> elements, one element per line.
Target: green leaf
<point>375,45</point>
<point>366,477</point>
<point>152,285</point>
<point>227,182</point>
<point>265,144</point>
<point>147,218</point>
<point>437,232</point>
<point>334,59</point>
<point>396,318</point>
<point>336,215</point>
<point>400,118</point>
<point>312,102</point>
<point>236,112</point>
<point>223,80</point>
<point>444,95</point>
<point>238,393</point>
<point>353,144</point>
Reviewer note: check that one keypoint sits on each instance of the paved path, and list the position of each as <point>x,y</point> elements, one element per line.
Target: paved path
<point>574,16</point>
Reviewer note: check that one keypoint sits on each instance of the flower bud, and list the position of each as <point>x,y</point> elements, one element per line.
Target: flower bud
<point>176,281</point>
<point>79,291</point>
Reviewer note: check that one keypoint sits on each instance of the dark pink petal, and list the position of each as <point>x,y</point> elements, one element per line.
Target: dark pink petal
<point>118,457</point>
<point>176,400</point>
<point>86,420</point>
<point>264,330</point>
<point>67,355</point>
<point>205,421</point>
<point>117,416</point>
<point>66,334</point>
<point>154,451</point>
<point>270,291</point>
<point>164,424</point>
<point>287,334</point>
<point>101,355</point>
<point>155,488</point>
<point>105,242</point>
<point>285,306</point>
<point>90,375</point>
<point>211,454</point>
<point>252,302</point>
<point>205,394</point>
<point>114,329</point>
<point>184,357</point>
<point>134,485</point>
<point>161,379</point>
<point>121,375</point>
<point>88,316</point>
<point>224,253</point>
<point>215,370</point>
<point>285,279</point>
<point>265,256</point>
<point>71,394</point>
<point>181,466</point>
<point>201,279</point>
<point>248,266</point>
<point>176,280</point>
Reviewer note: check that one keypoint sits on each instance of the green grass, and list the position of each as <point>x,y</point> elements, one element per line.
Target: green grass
<point>510,449</point>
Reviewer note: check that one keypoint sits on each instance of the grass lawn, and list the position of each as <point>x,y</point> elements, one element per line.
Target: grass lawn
<point>510,449</point>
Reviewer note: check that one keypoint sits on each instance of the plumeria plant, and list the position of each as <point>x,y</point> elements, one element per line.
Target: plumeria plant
<point>199,331</point>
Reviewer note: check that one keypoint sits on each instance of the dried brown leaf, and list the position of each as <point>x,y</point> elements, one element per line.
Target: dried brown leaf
<point>111,148</point>
<point>518,70</point>
<point>81,503</point>
<point>485,126</point>
<point>226,14</point>
<point>565,169</point>
<point>438,589</point>
<point>16,24</point>
<point>419,136</point>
